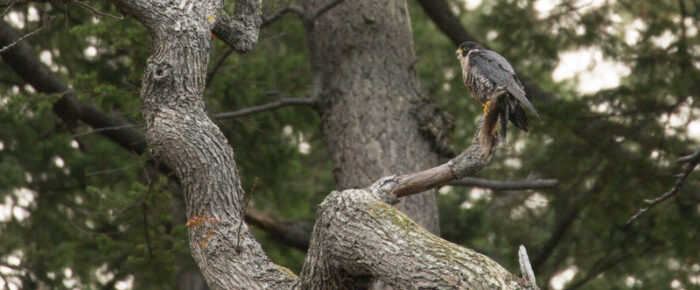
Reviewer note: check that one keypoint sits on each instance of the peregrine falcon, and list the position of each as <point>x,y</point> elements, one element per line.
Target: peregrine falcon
<point>487,75</point>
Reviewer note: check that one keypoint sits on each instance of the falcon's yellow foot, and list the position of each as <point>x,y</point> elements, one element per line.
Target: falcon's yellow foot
<point>486,108</point>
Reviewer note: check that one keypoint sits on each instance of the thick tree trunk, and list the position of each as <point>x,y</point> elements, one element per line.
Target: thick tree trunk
<point>362,59</point>
<point>180,134</point>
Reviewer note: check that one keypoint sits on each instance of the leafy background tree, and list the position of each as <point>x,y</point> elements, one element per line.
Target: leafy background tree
<point>79,211</point>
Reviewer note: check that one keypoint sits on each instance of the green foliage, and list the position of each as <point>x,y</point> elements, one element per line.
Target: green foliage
<point>90,207</point>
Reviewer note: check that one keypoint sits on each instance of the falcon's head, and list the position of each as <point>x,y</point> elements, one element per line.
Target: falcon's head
<point>467,47</point>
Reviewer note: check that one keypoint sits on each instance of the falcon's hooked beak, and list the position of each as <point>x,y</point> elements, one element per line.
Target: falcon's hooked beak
<point>458,52</point>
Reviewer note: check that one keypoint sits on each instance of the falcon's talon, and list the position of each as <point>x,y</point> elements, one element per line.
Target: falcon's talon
<point>486,107</point>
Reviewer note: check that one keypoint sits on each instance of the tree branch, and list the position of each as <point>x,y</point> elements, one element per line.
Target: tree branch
<point>323,9</point>
<point>95,11</point>
<point>23,37</point>
<point>307,17</point>
<point>606,263</point>
<point>268,107</point>
<point>267,20</point>
<point>561,227</point>
<point>504,185</point>
<point>241,30</point>
<point>470,161</point>
<point>295,234</point>
<point>690,157</point>
<point>7,9</point>
<point>12,2</point>
<point>22,59</point>
<point>441,14</point>
<point>525,268</point>
<point>692,161</point>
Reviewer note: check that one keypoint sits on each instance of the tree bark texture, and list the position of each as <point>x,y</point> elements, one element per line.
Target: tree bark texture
<point>180,134</point>
<point>362,58</point>
<point>358,236</point>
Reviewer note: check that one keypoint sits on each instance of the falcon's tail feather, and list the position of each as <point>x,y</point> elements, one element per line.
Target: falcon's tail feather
<point>517,116</point>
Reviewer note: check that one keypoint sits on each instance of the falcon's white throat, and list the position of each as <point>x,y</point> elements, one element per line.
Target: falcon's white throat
<point>464,62</point>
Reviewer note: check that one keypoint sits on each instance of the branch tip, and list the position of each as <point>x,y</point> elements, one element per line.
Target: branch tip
<point>525,268</point>
<point>505,185</point>
<point>692,161</point>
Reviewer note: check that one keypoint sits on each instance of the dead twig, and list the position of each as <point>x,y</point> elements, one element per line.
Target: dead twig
<point>7,9</point>
<point>525,268</point>
<point>144,204</point>
<point>23,37</point>
<point>284,102</point>
<point>96,11</point>
<point>692,161</point>
<point>687,158</point>
<point>504,185</point>
<point>103,129</point>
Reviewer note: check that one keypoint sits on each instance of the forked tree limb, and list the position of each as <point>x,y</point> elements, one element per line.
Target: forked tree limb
<point>306,16</point>
<point>240,30</point>
<point>298,11</point>
<point>358,235</point>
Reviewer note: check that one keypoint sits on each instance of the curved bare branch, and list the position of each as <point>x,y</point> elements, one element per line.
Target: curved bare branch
<point>504,185</point>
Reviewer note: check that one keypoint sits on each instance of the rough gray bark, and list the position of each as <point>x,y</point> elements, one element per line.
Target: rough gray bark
<point>359,236</point>
<point>180,134</point>
<point>362,58</point>
<point>240,31</point>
